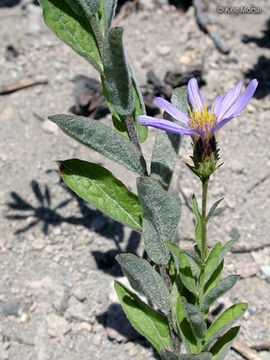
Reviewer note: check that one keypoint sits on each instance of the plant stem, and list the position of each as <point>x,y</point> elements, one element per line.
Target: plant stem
<point>203,247</point>
<point>132,132</point>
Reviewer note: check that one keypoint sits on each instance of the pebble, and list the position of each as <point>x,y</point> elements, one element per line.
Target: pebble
<point>38,244</point>
<point>86,326</point>
<point>49,127</point>
<point>265,269</point>
<point>57,325</point>
<point>184,60</point>
<point>11,307</point>
<point>77,310</point>
<point>164,50</point>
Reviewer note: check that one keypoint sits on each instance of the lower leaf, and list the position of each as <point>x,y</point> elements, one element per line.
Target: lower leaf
<point>148,322</point>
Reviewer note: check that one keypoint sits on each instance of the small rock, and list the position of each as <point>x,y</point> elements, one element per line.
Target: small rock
<point>86,326</point>
<point>38,244</point>
<point>97,339</point>
<point>247,270</point>
<point>57,325</point>
<point>49,127</point>
<point>34,17</point>
<point>237,167</point>
<point>11,307</point>
<point>164,50</point>
<point>80,295</point>
<point>265,269</point>
<point>184,59</point>
<point>25,318</point>
<point>77,310</point>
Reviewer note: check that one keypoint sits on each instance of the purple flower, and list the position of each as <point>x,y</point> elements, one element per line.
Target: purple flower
<point>202,121</point>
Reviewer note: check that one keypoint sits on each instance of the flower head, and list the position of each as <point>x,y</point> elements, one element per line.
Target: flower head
<point>202,122</point>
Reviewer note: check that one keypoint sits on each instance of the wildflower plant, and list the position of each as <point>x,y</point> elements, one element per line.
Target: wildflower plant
<point>180,285</point>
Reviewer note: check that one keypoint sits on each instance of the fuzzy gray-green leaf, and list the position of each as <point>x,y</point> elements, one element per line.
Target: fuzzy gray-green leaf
<point>102,139</point>
<point>201,356</point>
<point>161,214</point>
<point>166,146</point>
<point>144,279</point>
<point>89,6</point>
<point>75,30</point>
<point>117,78</point>
<point>220,289</point>
<point>148,322</point>
<point>195,319</point>
<point>109,11</point>
<point>98,186</point>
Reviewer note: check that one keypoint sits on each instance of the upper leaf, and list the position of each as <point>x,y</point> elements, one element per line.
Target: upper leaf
<point>144,279</point>
<point>220,289</point>
<point>109,11</point>
<point>166,147</point>
<point>117,78</point>
<point>89,6</point>
<point>98,186</point>
<point>139,109</point>
<point>103,139</point>
<point>75,30</point>
<point>215,257</point>
<point>148,322</point>
<point>161,214</point>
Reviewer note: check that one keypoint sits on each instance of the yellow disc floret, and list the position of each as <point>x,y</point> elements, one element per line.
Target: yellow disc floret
<point>203,120</point>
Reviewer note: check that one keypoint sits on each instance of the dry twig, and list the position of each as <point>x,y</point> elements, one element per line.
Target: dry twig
<point>23,83</point>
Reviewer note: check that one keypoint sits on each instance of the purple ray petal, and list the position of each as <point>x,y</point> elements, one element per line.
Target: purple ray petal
<point>242,102</point>
<point>228,100</point>
<point>223,122</point>
<point>216,105</point>
<point>162,124</point>
<point>172,110</point>
<point>194,94</point>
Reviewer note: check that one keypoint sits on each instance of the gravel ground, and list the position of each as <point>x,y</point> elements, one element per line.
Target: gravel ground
<point>57,252</point>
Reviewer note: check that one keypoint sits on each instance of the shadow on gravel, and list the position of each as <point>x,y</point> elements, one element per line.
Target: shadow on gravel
<point>261,72</point>
<point>48,216</point>
<point>263,41</point>
<point>8,3</point>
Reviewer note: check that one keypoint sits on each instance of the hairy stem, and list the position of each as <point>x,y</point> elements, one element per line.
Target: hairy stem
<point>132,132</point>
<point>203,246</point>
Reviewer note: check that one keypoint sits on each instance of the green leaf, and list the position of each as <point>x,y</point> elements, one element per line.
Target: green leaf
<point>187,267</point>
<point>139,109</point>
<point>98,186</point>
<point>174,297</point>
<point>215,257</point>
<point>89,6</point>
<point>212,210</point>
<point>161,214</point>
<point>224,322</point>
<point>185,329</point>
<point>224,343</point>
<point>148,322</point>
<point>201,356</point>
<point>109,11</point>
<point>92,133</point>
<point>117,78</point>
<point>167,355</point>
<point>214,279</point>
<point>186,274</point>
<point>75,30</point>
<point>144,279</point>
<point>166,146</point>
<point>195,319</point>
<point>198,222</point>
<point>220,289</point>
